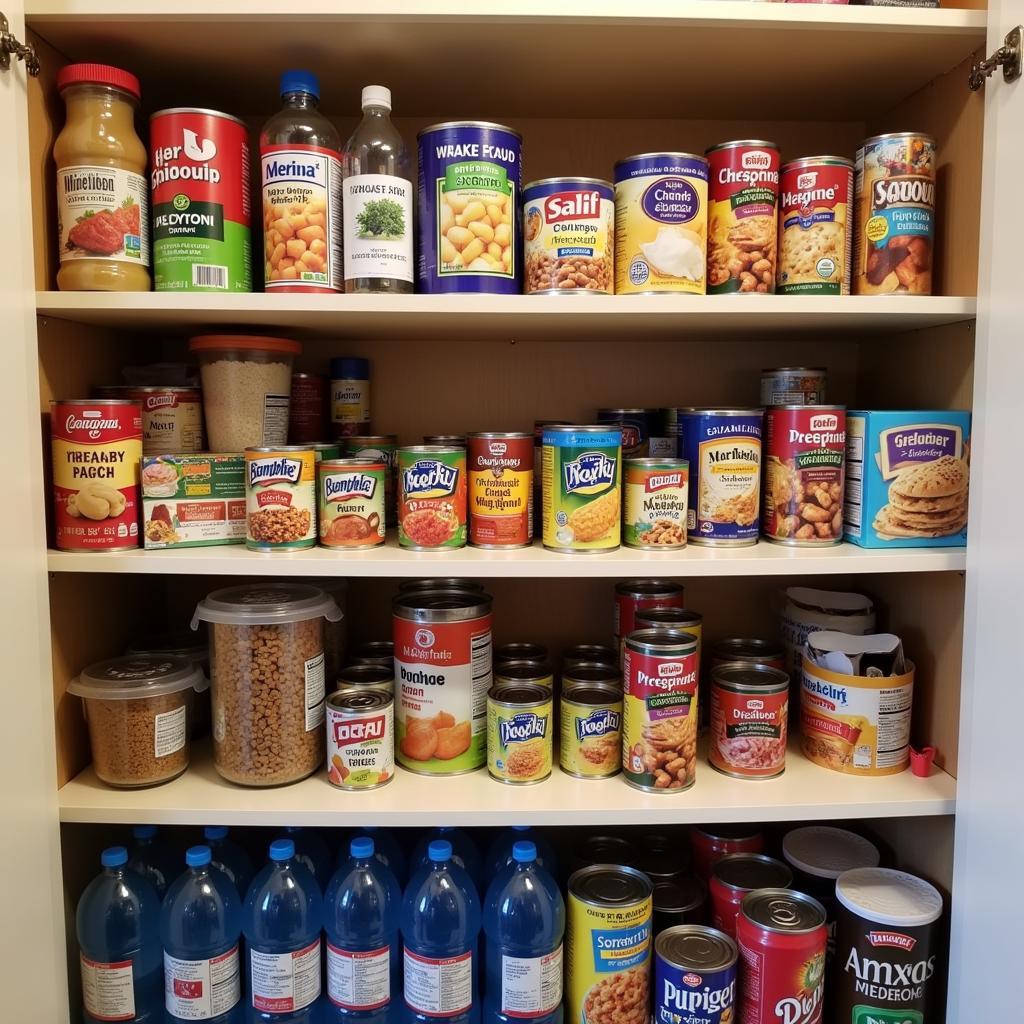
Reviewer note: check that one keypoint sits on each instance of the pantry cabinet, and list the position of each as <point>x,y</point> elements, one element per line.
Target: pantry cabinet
<point>585,87</point>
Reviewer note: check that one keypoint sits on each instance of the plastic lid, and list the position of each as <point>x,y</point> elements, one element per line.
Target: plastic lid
<point>886,896</point>
<point>144,831</point>
<point>282,850</point>
<point>352,367</point>
<point>826,852</point>
<point>198,856</point>
<point>361,848</point>
<point>182,645</point>
<point>114,857</point>
<point>300,81</point>
<point>135,677</point>
<point>268,604</point>
<point>243,343</point>
<point>98,74</point>
<point>214,832</point>
<point>376,96</point>
<point>439,851</point>
<point>524,853</point>
<point>521,828</point>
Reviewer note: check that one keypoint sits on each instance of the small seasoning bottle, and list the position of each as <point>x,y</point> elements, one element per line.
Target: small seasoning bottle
<point>350,396</point>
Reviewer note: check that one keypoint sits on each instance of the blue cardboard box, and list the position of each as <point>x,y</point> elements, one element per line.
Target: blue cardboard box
<point>906,478</point>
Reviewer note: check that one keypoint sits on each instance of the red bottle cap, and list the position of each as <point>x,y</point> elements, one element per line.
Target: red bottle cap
<point>98,74</point>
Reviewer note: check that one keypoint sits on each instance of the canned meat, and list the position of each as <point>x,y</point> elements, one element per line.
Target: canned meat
<point>280,498</point>
<point>591,729</point>
<point>360,739</point>
<point>500,475</point>
<point>655,502</point>
<point>431,497</point>
<point>519,732</point>
<point>749,711</point>
<point>694,976</point>
<point>350,503</point>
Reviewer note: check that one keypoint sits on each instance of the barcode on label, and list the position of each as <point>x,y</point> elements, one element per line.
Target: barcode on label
<point>205,275</point>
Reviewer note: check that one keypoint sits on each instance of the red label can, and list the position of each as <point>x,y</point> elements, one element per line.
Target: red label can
<point>713,842</point>
<point>736,875</point>
<point>307,412</point>
<point>805,474</point>
<point>500,468</point>
<point>749,706</point>
<point>633,595</point>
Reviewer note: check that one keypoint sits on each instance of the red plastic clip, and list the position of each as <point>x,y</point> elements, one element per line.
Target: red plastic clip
<point>921,761</point>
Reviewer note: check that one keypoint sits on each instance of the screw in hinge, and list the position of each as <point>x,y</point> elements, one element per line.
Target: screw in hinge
<point>9,46</point>
<point>1007,57</point>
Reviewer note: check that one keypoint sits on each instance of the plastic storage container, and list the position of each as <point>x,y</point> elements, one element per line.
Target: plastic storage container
<point>229,857</point>
<point>138,710</point>
<point>267,666</point>
<point>154,857</point>
<point>189,645</point>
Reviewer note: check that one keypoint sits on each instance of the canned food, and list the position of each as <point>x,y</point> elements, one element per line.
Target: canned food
<point>723,448</point>
<point>683,900</point>
<point>520,651</point>
<point>710,843</point>
<point>569,231</point>
<point>360,738</point>
<point>519,733</point>
<point>536,672</point>
<point>603,849</point>
<point>737,874</point>
<point>377,652</point>
<point>793,385</point>
<point>749,711</point>
<point>431,497</point>
<point>307,410</point>
<point>750,651</point>
<point>350,396</point>
<point>379,448</point>
<point>582,481</point>
<point>805,472</point>
<point>470,177</point>
<point>350,503</point>
<point>637,427</point>
<point>663,858</point>
<point>601,655</point>
<point>500,471</point>
<point>280,498</point>
<point>694,976</point>
<point>665,440</point>
<point>672,618</point>
<point>655,504</point>
<point>633,596</point>
<point>172,418</point>
<point>439,584</point>
<point>367,676</point>
<point>325,451</point>
<point>609,946</point>
<point>450,440</point>
<point>591,729</point>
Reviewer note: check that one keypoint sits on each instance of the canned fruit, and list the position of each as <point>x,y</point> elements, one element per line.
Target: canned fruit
<point>350,503</point>
<point>655,499</point>
<point>519,732</point>
<point>591,730</point>
<point>500,474</point>
<point>749,712</point>
<point>360,739</point>
<point>431,497</point>
<point>280,498</point>
<point>694,976</point>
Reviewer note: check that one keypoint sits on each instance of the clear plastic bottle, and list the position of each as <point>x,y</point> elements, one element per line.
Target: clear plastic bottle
<point>282,922</point>
<point>200,928</point>
<point>377,201</point>
<point>464,852</point>
<point>364,965</point>
<point>388,850</point>
<point>118,927</point>
<point>441,932</point>
<point>312,852</point>
<point>499,853</point>
<point>229,857</point>
<point>155,857</point>
<point>524,920</point>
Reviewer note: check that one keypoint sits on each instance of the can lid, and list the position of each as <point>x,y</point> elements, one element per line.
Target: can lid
<point>137,676</point>
<point>354,367</point>
<point>521,651</point>
<point>891,897</point>
<point>695,947</point>
<point>243,343</point>
<point>266,604</point>
<point>98,74</point>
<point>681,617</point>
<point>751,871</point>
<point>680,894</point>
<point>610,885</point>
<point>376,96</point>
<point>747,677</point>
<point>519,694</point>
<point>523,672</point>
<point>826,852</point>
<point>441,605</point>
<point>649,588</point>
<point>783,910</point>
<point>439,584</point>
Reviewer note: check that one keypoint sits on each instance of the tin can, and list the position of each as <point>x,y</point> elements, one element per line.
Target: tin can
<point>536,673</point>
<point>591,730</point>
<point>661,221</point>
<point>500,473</point>
<point>662,857</point>
<point>280,498</point>
<point>633,596</point>
<point>442,676</point>
<point>431,497</point>
<point>723,448</point>
<point>665,440</point>
<point>325,451</point>
<point>602,849</point>
<point>748,650</point>
<point>307,410</point>
<point>743,204</point>
<point>793,385</point>
<point>695,976</point>
<point>451,440</point>
<point>452,583</point>
<point>608,956</point>
<point>591,672</point>
<point>538,471</point>
<point>710,843</point>
<point>569,233</point>
<point>172,418</point>
<point>749,712</point>
<point>659,710</point>
<point>380,448</point>
<point>683,900</point>
<point>470,179</point>
<point>781,938</point>
<point>581,488</point>
<point>376,652</point>
<point>805,474</point>
<point>97,452</point>
<point>672,618</point>
<point>637,426</point>
<point>368,675</point>
<point>199,181</point>
<point>894,204</point>
<point>601,655</point>
<point>737,874</point>
<point>520,651</point>
<point>520,743</point>
<point>654,499</point>
<point>360,739</point>
<point>350,503</point>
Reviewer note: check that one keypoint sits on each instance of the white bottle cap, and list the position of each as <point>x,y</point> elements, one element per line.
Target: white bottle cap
<point>376,96</point>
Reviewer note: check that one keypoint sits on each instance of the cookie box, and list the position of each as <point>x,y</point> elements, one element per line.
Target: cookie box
<point>907,478</point>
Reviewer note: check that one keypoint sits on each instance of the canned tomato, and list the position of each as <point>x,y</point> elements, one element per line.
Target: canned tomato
<point>350,503</point>
<point>750,651</point>
<point>520,651</point>
<point>569,231</point>
<point>519,733</point>
<point>793,385</point>
<point>661,218</point>
<point>199,180</point>
<point>743,201</point>
<point>683,900</point>
<point>442,676</point>
<point>581,485</point>
<point>97,452</point>
<point>369,675</point>
<point>377,652</point>
<point>431,497</point>
<point>360,739</point>
<point>500,473</point>
<point>601,655</point>
<point>737,874</point>
<point>280,498</point>
<point>537,673</point>
<point>307,410</point>
<point>470,178</point>
<point>710,843</point>
<point>608,959</point>
<point>637,426</point>
<point>723,448</point>
<point>633,596</point>
<point>654,500</point>
<point>591,729</point>
<point>805,473</point>
<point>659,710</point>
<point>172,418</point>
<point>781,938</point>
<point>694,976</point>
<point>749,709</point>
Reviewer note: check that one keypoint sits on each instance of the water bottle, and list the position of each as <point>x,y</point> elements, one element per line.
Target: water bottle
<point>464,852</point>
<point>282,922</point>
<point>441,930</point>
<point>154,857</point>
<point>200,927</point>
<point>311,851</point>
<point>524,919</point>
<point>229,857</point>
<point>118,929</point>
<point>361,910</point>
<point>499,853</point>
<point>388,850</point>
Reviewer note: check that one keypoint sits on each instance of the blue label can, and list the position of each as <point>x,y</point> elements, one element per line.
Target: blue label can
<point>723,447</point>
<point>470,180</point>
<point>694,976</point>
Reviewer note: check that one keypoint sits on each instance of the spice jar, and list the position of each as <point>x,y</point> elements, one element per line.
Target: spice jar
<point>138,708</point>
<point>267,669</point>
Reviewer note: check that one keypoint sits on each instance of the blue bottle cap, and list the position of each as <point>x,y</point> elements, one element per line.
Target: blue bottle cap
<point>439,851</point>
<point>350,368</point>
<point>292,829</point>
<point>198,856</point>
<point>521,828</point>
<point>215,832</point>
<point>361,848</point>
<point>300,81</point>
<point>144,831</point>
<point>114,857</point>
<point>282,850</point>
<point>446,829</point>
<point>524,853</point>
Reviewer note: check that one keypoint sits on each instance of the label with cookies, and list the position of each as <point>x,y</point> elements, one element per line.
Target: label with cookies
<point>520,742</point>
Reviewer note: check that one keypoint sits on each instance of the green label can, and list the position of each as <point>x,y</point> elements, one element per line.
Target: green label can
<point>431,497</point>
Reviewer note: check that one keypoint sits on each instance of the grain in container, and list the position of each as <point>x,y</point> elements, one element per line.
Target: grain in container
<point>360,738</point>
<point>520,740</point>
<point>737,874</point>
<point>694,975</point>
<point>194,647</point>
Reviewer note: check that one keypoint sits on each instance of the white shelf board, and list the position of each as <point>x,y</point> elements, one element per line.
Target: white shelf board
<point>805,792</point>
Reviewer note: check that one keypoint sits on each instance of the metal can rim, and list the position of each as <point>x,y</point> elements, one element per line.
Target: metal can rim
<point>794,369</point>
<point>540,695</point>
<point>345,698</point>
<point>540,670</point>
<point>758,896</point>
<point>604,693</point>
<point>776,681</point>
<point>266,449</point>
<point>431,449</point>
<point>646,588</point>
<point>667,152</point>
<point>646,641</point>
<point>651,462</point>
<point>757,858</point>
<point>872,139</point>
<point>728,949</point>
<point>508,435</point>
<point>196,110</point>
<point>697,410</point>
<point>346,463</point>
<point>352,438</point>
<point>442,125</point>
<point>476,604</point>
<point>644,886</point>
<point>810,161</point>
<point>760,143</point>
<point>696,619</point>
<point>818,408</point>
<point>93,401</point>
<point>568,179</point>
<point>380,673</point>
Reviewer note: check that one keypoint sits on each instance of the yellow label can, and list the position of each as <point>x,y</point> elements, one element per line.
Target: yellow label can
<point>519,732</point>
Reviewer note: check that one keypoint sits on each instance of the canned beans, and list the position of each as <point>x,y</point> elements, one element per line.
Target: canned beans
<point>280,498</point>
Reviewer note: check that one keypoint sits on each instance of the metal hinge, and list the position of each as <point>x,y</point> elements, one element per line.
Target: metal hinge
<point>1007,57</point>
<point>21,51</point>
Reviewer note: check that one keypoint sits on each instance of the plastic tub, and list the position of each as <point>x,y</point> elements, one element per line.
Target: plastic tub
<point>247,385</point>
<point>196,648</point>
<point>138,709</point>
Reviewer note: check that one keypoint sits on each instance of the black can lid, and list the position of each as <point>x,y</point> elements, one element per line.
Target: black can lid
<point>680,895</point>
<point>751,871</point>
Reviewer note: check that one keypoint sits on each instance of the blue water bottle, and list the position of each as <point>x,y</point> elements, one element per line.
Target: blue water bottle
<point>361,911</point>
<point>282,921</point>
<point>200,927</point>
<point>118,929</point>
<point>311,851</point>
<point>155,857</point>
<point>499,853</point>
<point>464,852</point>
<point>388,850</point>
<point>227,855</point>
<point>441,932</point>
<point>524,920</point>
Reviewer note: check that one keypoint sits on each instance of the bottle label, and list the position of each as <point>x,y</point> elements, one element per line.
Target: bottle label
<point>378,227</point>
<point>102,214</point>
<point>301,187</point>
<point>107,989</point>
<point>531,986</point>
<point>283,982</point>
<point>201,989</point>
<point>315,692</point>
<point>359,980</point>
<point>442,987</point>
<point>169,732</point>
<point>350,403</point>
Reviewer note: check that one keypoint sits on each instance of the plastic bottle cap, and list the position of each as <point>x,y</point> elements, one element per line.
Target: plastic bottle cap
<point>376,96</point>
<point>198,856</point>
<point>282,849</point>
<point>361,848</point>
<point>350,368</point>
<point>521,828</point>
<point>439,851</point>
<point>144,831</point>
<point>98,74</point>
<point>300,81</point>
<point>114,857</point>
<point>292,829</point>
<point>215,832</point>
<point>524,853</point>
